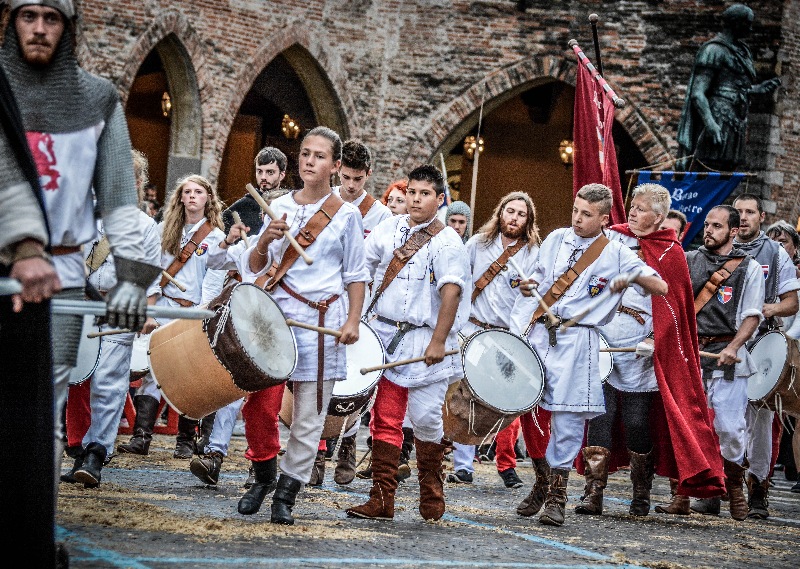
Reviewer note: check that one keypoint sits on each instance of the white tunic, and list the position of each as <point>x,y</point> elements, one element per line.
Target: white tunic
<point>572,372</point>
<point>413,297</point>
<point>630,373</point>
<point>493,306</point>
<point>376,213</point>
<point>338,254</point>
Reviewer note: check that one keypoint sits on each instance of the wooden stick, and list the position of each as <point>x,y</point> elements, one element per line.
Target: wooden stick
<point>715,356</point>
<point>268,210</point>
<point>366,370</point>
<point>328,331</point>
<point>171,279</point>
<point>238,219</point>
<point>108,333</point>
<point>553,318</point>
<point>704,354</point>
<point>581,315</point>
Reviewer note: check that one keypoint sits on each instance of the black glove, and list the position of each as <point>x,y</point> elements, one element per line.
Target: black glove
<point>126,303</point>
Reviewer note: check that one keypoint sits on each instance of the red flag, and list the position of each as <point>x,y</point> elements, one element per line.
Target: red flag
<point>595,157</point>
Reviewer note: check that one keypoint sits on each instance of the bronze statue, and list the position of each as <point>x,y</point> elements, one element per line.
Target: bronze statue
<point>714,120</point>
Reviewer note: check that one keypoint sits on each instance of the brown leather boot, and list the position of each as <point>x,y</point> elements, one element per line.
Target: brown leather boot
<point>318,470</point>
<point>430,474</point>
<point>534,501</point>
<point>679,504</point>
<point>553,514</point>
<point>757,498</point>
<point>642,480</point>
<point>380,505</point>
<point>595,460</point>
<point>734,482</point>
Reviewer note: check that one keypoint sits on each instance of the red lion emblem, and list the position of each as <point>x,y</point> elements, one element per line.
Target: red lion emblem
<point>41,145</point>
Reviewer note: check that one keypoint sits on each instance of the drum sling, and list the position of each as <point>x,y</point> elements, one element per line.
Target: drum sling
<point>402,255</point>
<point>562,283</point>
<point>712,285</point>
<point>305,237</point>
<point>495,267</point>
<point>187,251</point>
<point>366,205</point>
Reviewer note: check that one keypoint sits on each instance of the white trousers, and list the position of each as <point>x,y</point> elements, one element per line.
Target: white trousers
<point>307,425</point>
<point>728,399</point>
<point>425,411</point>
<point>759,440</point>
<point>463,457</point>
<point>566,437</point>
<point>222,431</point>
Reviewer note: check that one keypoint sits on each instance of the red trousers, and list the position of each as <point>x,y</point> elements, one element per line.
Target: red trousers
<point>79,412</point>
<point>260,414</point>
<point>536,442</point>
<point>505,456</point>
<point>388,413</point>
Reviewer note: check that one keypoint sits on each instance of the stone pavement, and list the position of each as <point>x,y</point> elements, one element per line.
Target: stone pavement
<point>152,513</point>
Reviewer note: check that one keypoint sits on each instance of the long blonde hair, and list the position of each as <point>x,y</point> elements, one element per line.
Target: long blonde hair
<point>175,215</point>
<point>491,229</point>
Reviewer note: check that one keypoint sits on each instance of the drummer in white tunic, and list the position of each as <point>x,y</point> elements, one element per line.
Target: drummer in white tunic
<point>417,314</point>
<point>573,386</point>
<point>313,294</point>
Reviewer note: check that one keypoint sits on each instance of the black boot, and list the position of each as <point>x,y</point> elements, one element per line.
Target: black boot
<point>93,459</point>
<point>403,468</point>
<point>206,425</point>
<point>146,415</point>
<point>265,474</point>
<point>283,500</point>
<point>70,476</point>
<point>185,440</point>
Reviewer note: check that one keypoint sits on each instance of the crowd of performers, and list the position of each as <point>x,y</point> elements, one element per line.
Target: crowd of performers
<point>415,279</point>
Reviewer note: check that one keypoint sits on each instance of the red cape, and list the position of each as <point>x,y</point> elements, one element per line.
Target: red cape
<point>685,445</point>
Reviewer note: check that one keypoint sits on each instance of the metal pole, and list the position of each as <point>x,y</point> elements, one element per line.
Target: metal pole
<point>593,19</point>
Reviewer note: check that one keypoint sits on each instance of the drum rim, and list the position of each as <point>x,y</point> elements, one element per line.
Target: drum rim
<point>775,388</point>
<point>283,315</point>
<point>539,396</point>
<point>609,354</point>
<point>96,328</point>
<point>379,372</point>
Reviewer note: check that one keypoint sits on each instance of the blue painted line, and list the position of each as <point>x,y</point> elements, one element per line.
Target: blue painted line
<point>93,553</point>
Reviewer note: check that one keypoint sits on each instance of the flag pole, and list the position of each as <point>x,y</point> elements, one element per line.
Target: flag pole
<point>593,20</point>
<point>584,60</point>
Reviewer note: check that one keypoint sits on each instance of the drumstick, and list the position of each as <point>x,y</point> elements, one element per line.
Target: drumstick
<point>366,370</point>
<point>320,329</point>
<point>631,349</point>
<point>271,214</point>
<point>595,304</point>
<point>553,318</point>
<point>170,278</point>
<point>238,219</point>
<point>107,333</point>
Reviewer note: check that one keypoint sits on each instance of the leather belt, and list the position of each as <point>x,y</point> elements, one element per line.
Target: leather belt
<point>706,340</point>
<point>402,329</point>
<point>553,327</point>
<point>322,307</point>
<point>182,301</point>
<point>59,250</point>
<point>632,312</point>
<point>484,325</point>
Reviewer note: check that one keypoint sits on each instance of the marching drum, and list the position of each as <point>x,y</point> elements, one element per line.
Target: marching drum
<point>503,379</point>
<point>354,396</point>
<point>776,384</point>
<point>201,366</point>
<point>88,353</point>
<point>140,364</point>
<point>606,359</point>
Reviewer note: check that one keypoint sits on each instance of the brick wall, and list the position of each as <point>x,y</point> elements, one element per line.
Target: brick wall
<point>409,73</point>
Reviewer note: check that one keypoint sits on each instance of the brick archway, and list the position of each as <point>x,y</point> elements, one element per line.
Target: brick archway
<point>455,120</point>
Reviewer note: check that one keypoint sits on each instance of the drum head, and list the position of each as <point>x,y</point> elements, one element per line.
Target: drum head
<point>503,370</point>
<point>606,359</point>
<point>88,353</point>
<point>140,363</point>
<point>262,331</point>
<point>769,353</point>
<point>367,352</point>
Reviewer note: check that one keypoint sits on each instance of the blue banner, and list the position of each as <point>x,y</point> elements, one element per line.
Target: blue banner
<point>694,194</point>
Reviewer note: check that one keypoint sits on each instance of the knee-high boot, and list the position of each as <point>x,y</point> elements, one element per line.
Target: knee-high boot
<point>533,502</point>
<point>431,479</point>
<point>185,441</point>
<point>146,415</point>
<point>734,484</point>
<point>380,505</point>
<point>642,480</point>
<point>595,460</point>
<point>553,514</point>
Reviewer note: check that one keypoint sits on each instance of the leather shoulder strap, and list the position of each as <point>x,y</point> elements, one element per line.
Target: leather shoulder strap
<point>366,204</point>
<point>494,269</point>
<point>187,251</point>
<point>565,281</point>
<point>712,285</point>
<point>404,253</point>
<point>306,236</point>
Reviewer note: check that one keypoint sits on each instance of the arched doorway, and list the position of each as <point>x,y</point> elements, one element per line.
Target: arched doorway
<point>292,87</point>
<point>521,132</point>
<point>164,115</point>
